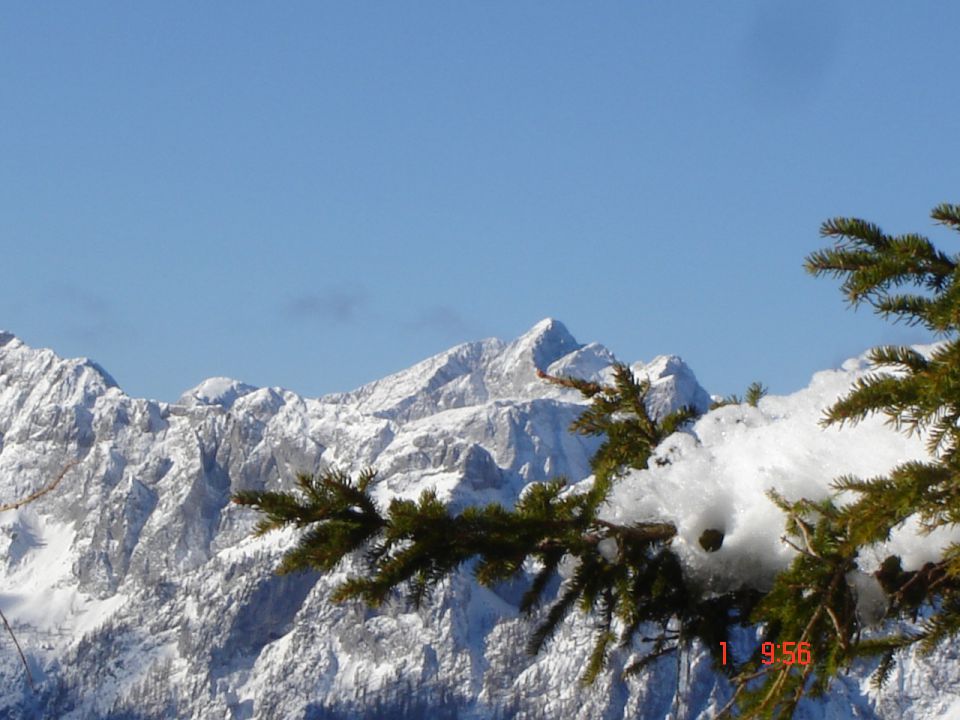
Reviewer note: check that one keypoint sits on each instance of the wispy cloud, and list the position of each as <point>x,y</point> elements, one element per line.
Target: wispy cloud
<point>340,305</point>
<point>90,303</point>
<point>439,319</point>
<point>791,47</point>
<point>90,316</point>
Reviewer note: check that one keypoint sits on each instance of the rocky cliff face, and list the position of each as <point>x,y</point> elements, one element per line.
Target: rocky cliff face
<point>137,590</point>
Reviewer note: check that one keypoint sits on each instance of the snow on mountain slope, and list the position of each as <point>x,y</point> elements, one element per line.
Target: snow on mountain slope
<point>220,391</point>
<point>138,592</point>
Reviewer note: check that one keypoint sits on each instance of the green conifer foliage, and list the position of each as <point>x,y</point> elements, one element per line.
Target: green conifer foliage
<point>812,605</point>
<point>812,600</point>
<point>626,576</point>
<point>756,391</point>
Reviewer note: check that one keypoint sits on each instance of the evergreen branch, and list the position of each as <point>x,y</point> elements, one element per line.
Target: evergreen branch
<point>915,309</point>
<point>677,420</point>
<point>871,263</point>
<point>417,544</point>
<point>558,611</point>
<point>755,392</point>
<point>531,598</point>
<point>741,682</point>
<point>732,399</point>
<point>942,626</point>
<point>641,532</point>
<point>858,232</point>
<point>884,670</point>
<point>598,658</point>
<point>585,387</point>
<point>805,531</point>
<point>871,394</point>
<point>637,665</point>
<point>841,631</point>
<point>898,357</point>
<point>787,541</point>
<point>947,214</point>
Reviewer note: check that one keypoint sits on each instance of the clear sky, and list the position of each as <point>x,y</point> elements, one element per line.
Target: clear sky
<point>314,195</point>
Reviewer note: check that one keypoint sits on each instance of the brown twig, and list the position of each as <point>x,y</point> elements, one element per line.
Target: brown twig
<point>13,506</point>
<point>19,650</point>
<point>741,684</point>
<point>836,626</point>
<point>933,574</point>
<point>784,539</point>
<point>804,530</point>
<point>645,532</point>
<point>41,491</point>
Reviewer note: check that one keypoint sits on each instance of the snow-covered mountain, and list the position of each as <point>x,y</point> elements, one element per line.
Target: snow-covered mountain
<point>137,590</point>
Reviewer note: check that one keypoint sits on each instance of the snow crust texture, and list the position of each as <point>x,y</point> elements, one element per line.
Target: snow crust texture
<point>137,590</point>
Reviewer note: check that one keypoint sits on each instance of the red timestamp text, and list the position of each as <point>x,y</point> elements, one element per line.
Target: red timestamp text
<point>787,653</point>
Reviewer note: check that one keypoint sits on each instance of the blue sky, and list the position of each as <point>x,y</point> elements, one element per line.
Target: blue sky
<point>314,195</point>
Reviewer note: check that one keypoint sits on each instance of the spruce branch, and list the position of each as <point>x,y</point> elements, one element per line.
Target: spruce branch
<point>416,544</point>
<point>917,394</point>
<point>642,584</point>
<point>755,392</point>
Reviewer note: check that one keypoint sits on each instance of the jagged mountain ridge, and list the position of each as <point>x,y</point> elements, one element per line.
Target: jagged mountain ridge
<point>146,537</point>
<point>138,592</point>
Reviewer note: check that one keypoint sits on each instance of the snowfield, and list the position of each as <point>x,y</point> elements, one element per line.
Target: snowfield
<point>136,589</point>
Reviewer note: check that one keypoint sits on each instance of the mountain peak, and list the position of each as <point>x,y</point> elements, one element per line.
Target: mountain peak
<point>548,341</point>
<point>673,385</point>
<point>222,391</point>
<point>97,368</point>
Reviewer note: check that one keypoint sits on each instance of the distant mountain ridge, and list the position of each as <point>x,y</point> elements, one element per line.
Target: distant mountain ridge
<point>137,590</point>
